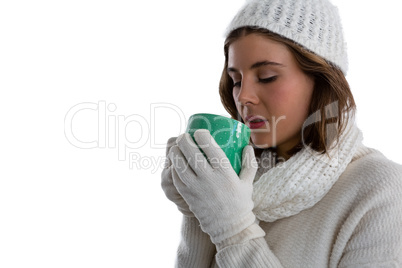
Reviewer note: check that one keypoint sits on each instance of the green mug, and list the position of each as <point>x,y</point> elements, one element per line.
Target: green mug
<point>231,135</point>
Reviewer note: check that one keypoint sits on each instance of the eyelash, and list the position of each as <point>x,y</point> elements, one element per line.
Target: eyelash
<point>237,84</point>
<point>268,80</point>
<point>264,81</point>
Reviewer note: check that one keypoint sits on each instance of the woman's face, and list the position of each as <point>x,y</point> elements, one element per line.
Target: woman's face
<point>271,92</point>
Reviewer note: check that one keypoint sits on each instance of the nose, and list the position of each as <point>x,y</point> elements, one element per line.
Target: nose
<point>247,94</point>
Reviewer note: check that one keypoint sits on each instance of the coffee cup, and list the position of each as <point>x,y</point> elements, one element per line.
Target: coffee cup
<point>231,135</point>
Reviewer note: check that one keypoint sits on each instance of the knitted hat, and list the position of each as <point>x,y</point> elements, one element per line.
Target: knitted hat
<point>313,24</point>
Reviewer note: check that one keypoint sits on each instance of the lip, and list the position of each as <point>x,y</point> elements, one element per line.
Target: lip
<point>254,125</point>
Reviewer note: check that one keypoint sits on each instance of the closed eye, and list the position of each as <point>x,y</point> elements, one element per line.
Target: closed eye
<point>263,80</point>
<point>268,80</point>
<point>237,84</point>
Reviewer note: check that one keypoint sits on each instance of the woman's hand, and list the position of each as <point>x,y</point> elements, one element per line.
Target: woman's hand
<point>167,183</point>
<point>221,200</point>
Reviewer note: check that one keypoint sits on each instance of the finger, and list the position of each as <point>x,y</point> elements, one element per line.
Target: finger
<point>183,192</point>
<point>169,188</point>
<point>177,182</point>
<point>180,163</point>
<point>167,179</point>
<point>192,153</point>
<point>212,150</point>
<point>166,172</point>
<point>249,164</point>
<point>186,211</point>
<point>170,143</point>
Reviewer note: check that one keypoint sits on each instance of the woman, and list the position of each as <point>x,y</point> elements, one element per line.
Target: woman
<point>326,200</point>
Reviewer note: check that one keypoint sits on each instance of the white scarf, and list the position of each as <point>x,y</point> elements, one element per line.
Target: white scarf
<point>304,179</point>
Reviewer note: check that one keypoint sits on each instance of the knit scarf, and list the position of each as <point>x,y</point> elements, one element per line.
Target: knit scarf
<point>303,180</point>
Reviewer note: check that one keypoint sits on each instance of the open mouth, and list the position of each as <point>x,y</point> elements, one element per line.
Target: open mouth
<point>255,122</point>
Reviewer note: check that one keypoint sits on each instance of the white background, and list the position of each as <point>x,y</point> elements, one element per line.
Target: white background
<point>64,206</point>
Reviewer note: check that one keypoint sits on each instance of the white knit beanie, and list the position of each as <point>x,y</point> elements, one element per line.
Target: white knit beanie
<point>313,24</point>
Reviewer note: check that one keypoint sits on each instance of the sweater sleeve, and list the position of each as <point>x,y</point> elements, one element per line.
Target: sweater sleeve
<point>247,249</point>
<point>195,249</point>
<point>373,232</point>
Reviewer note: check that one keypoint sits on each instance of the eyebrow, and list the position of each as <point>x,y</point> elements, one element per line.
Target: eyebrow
<point>257,65</point>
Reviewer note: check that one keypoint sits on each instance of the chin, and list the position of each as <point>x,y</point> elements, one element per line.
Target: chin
<point>262,143</point>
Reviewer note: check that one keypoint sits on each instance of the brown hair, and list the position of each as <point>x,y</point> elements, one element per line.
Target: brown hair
<point>332,100</point>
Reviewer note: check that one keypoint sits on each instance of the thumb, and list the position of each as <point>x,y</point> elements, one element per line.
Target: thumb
<point>249,165</point>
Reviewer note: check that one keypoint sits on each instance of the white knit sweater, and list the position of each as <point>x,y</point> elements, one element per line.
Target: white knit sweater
<point>358,223</point>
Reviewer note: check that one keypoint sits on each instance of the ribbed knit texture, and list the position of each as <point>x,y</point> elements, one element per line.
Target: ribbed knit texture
<point>250,256</point>
<point>358,223</point>
<point>195,249</point>
<point>304,179</point>
<point>314,24</point>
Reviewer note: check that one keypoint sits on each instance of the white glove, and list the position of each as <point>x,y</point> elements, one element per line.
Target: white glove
<point>221,200</point>
<point>167,183</point>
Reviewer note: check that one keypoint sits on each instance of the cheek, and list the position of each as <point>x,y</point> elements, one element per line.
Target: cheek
<point>276,99</point>
<point>298,96</point>
<point>304,95</point>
